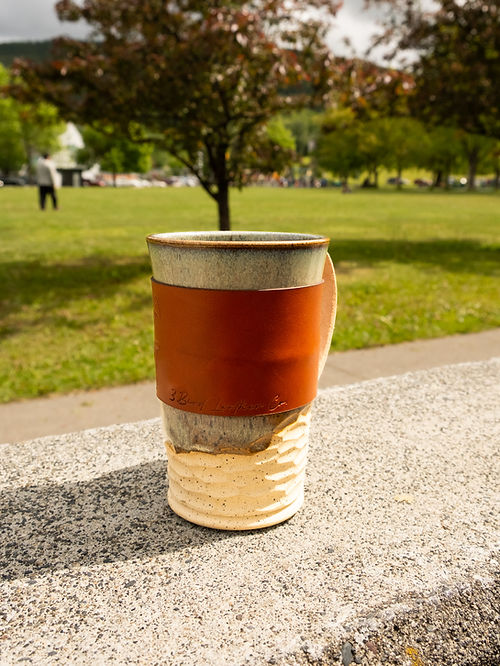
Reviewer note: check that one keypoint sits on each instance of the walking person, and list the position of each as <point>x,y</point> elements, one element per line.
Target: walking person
<point>47,179</point>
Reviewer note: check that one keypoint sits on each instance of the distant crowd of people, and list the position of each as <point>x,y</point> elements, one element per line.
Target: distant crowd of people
<point>276,180</point>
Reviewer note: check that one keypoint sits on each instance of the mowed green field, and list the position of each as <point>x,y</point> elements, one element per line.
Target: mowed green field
<point>74,284</point>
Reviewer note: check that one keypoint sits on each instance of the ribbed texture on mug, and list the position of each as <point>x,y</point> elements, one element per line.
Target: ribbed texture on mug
<point>239,492</point>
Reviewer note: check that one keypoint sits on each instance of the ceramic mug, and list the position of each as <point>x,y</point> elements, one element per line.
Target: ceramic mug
<point>229,466</point>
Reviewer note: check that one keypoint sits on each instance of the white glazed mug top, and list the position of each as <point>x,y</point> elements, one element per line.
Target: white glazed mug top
<point>233,239</point>
<point>237,259</point>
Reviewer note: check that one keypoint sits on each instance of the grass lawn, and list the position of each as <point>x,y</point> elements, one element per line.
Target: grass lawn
<point>75,302</point>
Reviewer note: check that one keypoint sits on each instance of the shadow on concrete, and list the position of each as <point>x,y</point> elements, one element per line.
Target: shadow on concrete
<point>119,516</point>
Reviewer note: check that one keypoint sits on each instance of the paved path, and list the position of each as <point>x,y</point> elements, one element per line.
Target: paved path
<point>24,420</point>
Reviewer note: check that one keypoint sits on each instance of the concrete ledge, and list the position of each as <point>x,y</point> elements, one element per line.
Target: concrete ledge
<point>391,560</point>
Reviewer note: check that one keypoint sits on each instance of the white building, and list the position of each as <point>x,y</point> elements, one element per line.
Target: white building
<point>65,158</point>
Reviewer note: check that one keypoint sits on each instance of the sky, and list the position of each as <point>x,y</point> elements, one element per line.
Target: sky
<point>36,19</point>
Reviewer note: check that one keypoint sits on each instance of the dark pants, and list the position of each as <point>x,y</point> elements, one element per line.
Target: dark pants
<point>43,191</point>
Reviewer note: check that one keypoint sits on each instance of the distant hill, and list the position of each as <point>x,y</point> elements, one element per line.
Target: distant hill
<point>36,51</point>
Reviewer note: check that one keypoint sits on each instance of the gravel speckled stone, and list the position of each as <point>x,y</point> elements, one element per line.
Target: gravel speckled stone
<point>394,552</point>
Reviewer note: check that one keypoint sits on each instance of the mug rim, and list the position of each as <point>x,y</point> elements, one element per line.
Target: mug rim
<point>267,240</point>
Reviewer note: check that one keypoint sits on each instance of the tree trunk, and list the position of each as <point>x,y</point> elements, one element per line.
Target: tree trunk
<point>496,180</point>
<point>114,178</point>
<point>473,160</point>
<point>218,162</point>
<point>438,179</point>
<point>375,177</point>
<point>400,184</point>
<point>223,207</point>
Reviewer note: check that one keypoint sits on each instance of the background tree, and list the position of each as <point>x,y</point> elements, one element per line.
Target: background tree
<point>441,153</point>
<point>338,148</point>
<point>273,150</point>
<point>200,79</point>
<point>166,163</point>
<point>114,154</point>
<point>475,149</point>
<point>40,128</point>
<point>12,154</point>
<point>370,90</point>
<point>457,69</point>
<point>25,130</point>
<point>304,126</point>
<point>374,146</point>
<point>492,163</point>
<point>403,138</point>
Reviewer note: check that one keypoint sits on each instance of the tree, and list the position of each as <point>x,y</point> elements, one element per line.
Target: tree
<point>403,138</point>
<point>41,128</point>
<point>441,153</point>
<point>492,163</point>
<point>338,148</point>
<point>304,126</point>
<point>12,155</point>
<point>374,146</point>
<point>475,149</point>
<point>272,151</point>
<point>202,80</point>
<point>458,65</point>
<point>370,90</point>
<point>163,161</point>
<point>114,154</point>
<point>25,129</point>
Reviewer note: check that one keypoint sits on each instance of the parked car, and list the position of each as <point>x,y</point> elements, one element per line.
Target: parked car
<point>457,182</point>
<point>394,180</point>
<point>130,181</point>
<point>184,181</point>
<point>488,182</point>
<point>93,182</point>
<point>12,180</point>
<point>421,182</point>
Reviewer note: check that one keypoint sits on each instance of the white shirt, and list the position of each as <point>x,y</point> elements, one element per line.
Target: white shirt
<point>46,173</point>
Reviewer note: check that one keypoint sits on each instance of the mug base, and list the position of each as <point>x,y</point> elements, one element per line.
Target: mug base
<point>237,491</point>
<point>235,523</point>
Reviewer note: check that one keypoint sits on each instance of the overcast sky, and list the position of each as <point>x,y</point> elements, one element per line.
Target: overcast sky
<point>36,19</point>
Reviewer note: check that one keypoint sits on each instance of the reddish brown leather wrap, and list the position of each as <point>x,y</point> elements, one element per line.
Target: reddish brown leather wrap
<point>236,353</point>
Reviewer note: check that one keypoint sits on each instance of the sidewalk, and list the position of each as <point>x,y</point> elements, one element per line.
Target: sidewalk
<point>24,420</point>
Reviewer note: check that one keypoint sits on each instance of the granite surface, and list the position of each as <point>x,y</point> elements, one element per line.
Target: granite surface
<point>392,559</point>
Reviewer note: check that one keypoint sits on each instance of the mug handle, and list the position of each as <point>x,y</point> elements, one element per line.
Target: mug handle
<point>328,311</point>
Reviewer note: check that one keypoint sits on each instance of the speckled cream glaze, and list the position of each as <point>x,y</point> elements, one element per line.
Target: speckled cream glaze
<point>235,492</point>
<point>232,260</point>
